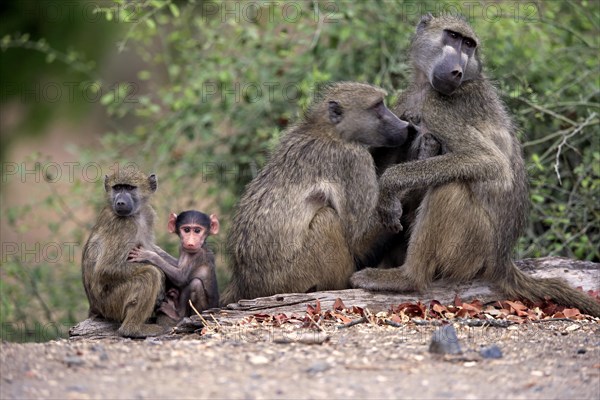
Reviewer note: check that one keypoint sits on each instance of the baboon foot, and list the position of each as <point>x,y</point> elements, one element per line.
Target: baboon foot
<point>169,309</point>
<point>142,331</point>
<point>385,280</point>
<point>167,321</point>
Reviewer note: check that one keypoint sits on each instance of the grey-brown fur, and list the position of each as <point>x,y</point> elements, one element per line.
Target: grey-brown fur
<point>476,203</point>
<point>312,209</point>
<point>116,289</point>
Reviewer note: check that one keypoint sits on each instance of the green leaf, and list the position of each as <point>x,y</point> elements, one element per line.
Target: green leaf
<point>174,10</point>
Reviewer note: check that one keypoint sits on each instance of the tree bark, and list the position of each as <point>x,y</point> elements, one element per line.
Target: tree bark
<point>577,273</point>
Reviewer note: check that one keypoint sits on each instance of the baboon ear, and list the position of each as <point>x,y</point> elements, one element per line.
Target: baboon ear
<point>106,186</point>
<point>171,225</point>
<point>425,19</point>
<point>214,224</point>
<point>153,182</point>
<point>336,112</point>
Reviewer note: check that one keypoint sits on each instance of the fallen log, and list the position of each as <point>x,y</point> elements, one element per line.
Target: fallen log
<point>577,273</point>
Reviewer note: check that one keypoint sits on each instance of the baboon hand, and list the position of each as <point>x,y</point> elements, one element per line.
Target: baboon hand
<point>413,119</point>
<point>140,255</point>
<point>390,213</point>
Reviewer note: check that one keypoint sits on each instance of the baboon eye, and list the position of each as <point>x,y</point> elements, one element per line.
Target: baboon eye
<point>186,230</point>
<point>379,109</point>
<point>118,188</point>
<point>452,34</point>
<point>469,43</point>
<point>197,230</point>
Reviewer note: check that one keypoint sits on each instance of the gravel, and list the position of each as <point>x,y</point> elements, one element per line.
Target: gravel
<point>539,361</point>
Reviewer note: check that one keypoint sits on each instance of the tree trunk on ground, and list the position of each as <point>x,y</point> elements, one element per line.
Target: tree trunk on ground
<point>577,273</point>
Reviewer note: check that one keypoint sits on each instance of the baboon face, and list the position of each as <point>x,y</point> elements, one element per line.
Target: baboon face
<point>446,52</point>
<point>361,116</point>
<point>193,227</point>
<point>128,190</point>
<point>125,201</point>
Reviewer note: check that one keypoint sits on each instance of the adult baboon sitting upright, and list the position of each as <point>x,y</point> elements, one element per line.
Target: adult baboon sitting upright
<point>312,209</point>
<point>476,203</point>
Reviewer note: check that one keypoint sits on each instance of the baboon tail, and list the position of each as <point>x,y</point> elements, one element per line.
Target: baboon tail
<point>517,284</point>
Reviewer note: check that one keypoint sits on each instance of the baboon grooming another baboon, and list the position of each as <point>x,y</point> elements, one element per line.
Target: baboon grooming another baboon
<point>311,211</point>
<point>476,203</point>
<point>117,289</point>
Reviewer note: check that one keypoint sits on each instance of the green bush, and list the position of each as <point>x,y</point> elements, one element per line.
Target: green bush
<point>224,79</point>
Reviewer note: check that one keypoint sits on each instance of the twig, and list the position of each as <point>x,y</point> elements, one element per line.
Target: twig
<point>497,323</point>
<point>423,322</point>
<point>216,322</point>
<point>539,321</point>
<point>317,34</point>
<point>205,322</point>
<point>465,322</point>
<point>567,29</point>
<point>352,323</point>
<point>121,45</point>
<point>564,141</point>
<point>549,112</point>
<point>392,323</point>
<point>68,212</point>
<point>546,138</point>
<point>266,307</point>
<point>315,322</point>
<point>35,290</point>
<point>369,316</point>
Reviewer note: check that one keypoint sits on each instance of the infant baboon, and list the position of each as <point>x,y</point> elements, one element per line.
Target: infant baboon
<point>116,289</point>
<point>389,250</point>
<point>193,274</point>
<point>476,203</point>
<point>311,211</point>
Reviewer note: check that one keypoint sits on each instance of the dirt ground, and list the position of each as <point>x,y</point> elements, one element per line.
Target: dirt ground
<point>548,360</point>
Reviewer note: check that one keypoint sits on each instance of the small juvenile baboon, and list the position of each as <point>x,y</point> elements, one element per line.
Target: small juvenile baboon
<point>476,202</point>
<point>193,274</point>
<point>311,211</point>
<point>116,289</point>
<point>389,250</point>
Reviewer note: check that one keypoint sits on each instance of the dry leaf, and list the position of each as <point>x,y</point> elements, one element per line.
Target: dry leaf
<point>339,305</point>
<point>457,301</point>
<point>341,317</point>
<point>571,312</point>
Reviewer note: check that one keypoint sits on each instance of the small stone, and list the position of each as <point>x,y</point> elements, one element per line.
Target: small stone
<point>258,360</point>
<point>491,352</point>
<point>318,367</point>
<point>573,327</point>
<point>73,361</point>
<point>76,388</point>
<point>581,351</point>
<point>304,338</point>
<point>445,341</point>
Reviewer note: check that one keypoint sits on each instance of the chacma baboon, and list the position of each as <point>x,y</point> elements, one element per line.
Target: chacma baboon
<point>476,203</point>
<point>117,289</point>
<point>193,274</point>
<point>310,212</point>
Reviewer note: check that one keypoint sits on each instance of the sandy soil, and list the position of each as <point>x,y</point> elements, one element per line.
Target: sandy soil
<point>550,360</point>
